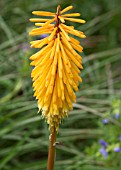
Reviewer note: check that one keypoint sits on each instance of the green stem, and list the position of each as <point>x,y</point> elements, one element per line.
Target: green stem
<point>51,153</point>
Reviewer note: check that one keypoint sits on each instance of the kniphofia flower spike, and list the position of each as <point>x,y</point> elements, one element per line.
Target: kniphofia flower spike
<point>57,64</point>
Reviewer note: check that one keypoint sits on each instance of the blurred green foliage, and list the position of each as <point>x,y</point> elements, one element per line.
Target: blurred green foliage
<point>23,135</point>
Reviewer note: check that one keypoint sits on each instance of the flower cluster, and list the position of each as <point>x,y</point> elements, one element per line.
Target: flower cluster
<point>105,147</point>
<point>57,65</point>
<point>113,116</point>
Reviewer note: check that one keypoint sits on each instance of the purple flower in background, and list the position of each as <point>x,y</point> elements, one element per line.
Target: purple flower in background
<point>105,121</point>
<point>117,149</point>
<point>43,36</point>
<point>25,47</point>
<point>103,143</point>
<point>117,115</point>
<point>103,152</point>
<point>120,137</point>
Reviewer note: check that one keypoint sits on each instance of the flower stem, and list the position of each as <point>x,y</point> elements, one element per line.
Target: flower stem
<point>51,153</point>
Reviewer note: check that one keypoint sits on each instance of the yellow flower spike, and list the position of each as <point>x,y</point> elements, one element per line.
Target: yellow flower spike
<point>57,65</point>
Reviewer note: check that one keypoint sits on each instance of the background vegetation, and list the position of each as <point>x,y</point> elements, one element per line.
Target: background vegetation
<point>96,115</point>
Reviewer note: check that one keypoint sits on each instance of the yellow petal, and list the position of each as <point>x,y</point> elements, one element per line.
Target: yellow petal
<point>73,58</point>
<point>61,84</point>
<point>45,59</point>
<point>48,27</point>
<point>35,43</point>
<point>58,85</point>
<point>76,20</point>
<point>69,88</point>
<point>67,77</point>
<point>74,40</point>
<point>64,40</point>
<point>65,34</point>
<point>58,43</point>
<point>47,101</point>
<point>60,65</point>
<point>75,67</point>
<point>77,47</point>
<point>61,19</point>
<point>80,79</point>
<point>53,49</point>
<point>68,45</point>
<point>42,24</point>
<point>40,32</point>
<point>63,55</point>
<point>48,22</point>
<point>43,13</point>
<point>52,34</point>
<point>41,52</point>
<point>48,77</point>
<point>55,92</point>
<point>68,98</point>
<point>38,70</point>
<point>39,44</point>
<point>38,20</point>
<point>71,30</point>
<point>59,103</point>
<point>66,9</point>
<point>73,15</point>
